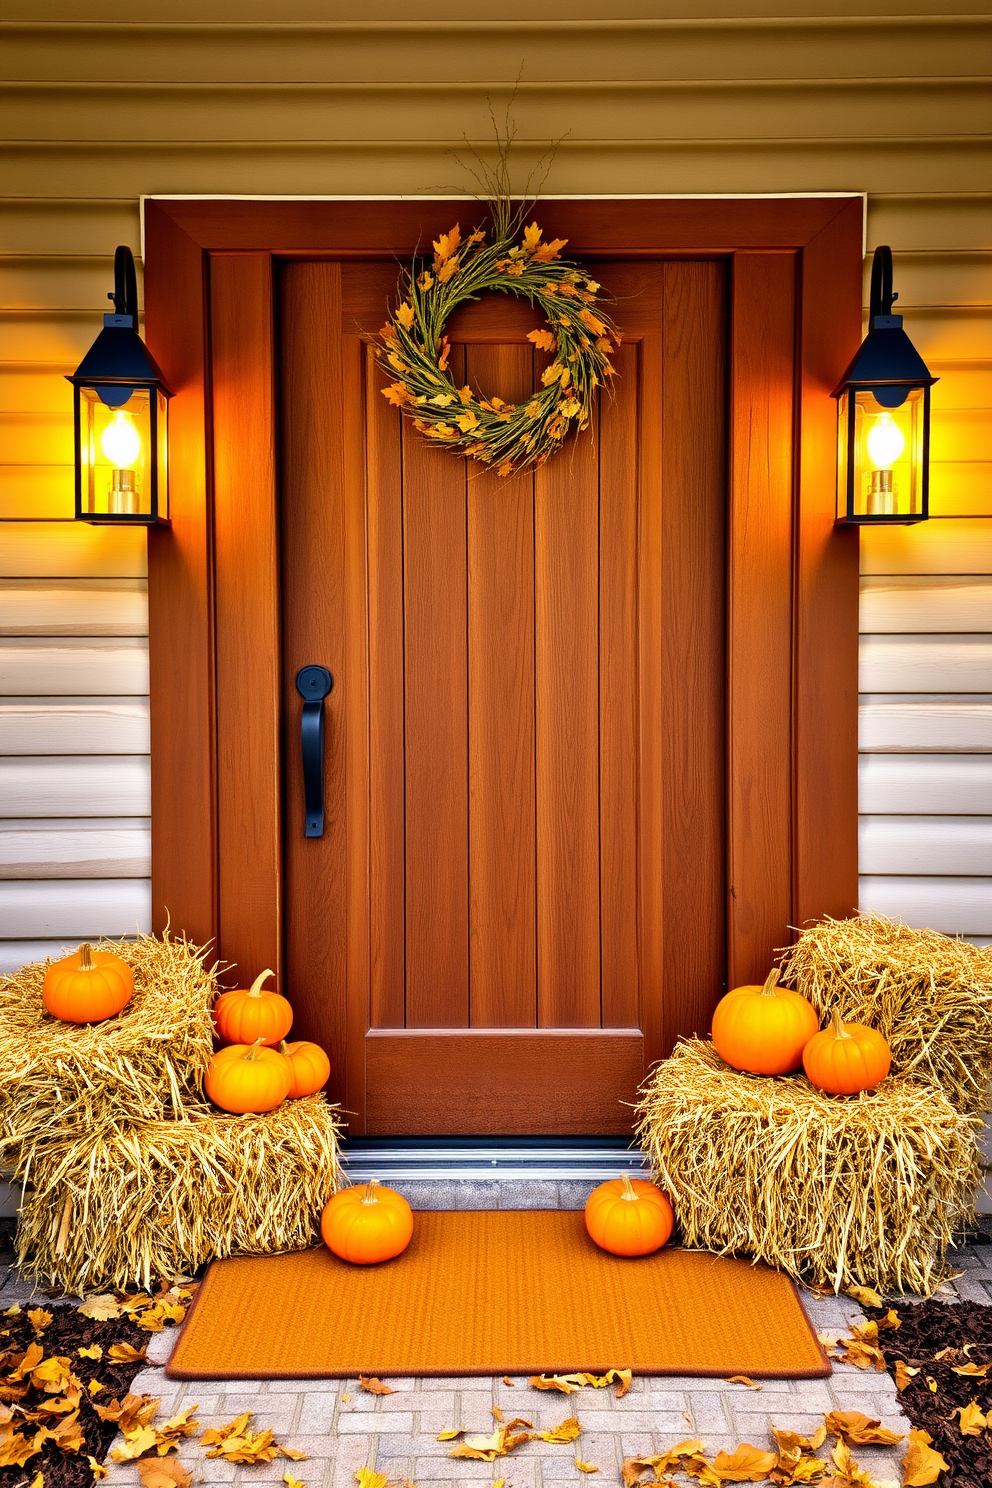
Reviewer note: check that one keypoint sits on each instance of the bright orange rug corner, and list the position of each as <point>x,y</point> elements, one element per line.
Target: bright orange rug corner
<point>495,1292</point>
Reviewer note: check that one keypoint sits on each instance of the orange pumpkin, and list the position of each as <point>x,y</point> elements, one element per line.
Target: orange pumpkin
<point>243,1015</point>
<point>247,1077</point>
<point>368,1224</point>
<point>87,986</point>
<point>846,1058</point>
<point>310,1068</point>
<point>629,1217</point>
<point>763,1030</point>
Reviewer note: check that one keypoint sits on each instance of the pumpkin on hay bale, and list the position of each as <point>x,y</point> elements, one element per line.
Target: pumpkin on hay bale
<point>866,1190</point>
<point>144,1064</point>
<point>129,1203</point>
<point>929,994</point>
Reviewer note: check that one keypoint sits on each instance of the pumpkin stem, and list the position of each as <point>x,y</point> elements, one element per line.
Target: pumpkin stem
<point>283,1049</point>
<point>253,1051</point>
<point>86,957</point>
<point>370,1189</point>
<point>771,982</point>
<point>838,1027</point>
<point>255,990</point>
<point>628,1188</point>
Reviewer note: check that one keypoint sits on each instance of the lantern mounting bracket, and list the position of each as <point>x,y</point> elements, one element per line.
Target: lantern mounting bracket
<point>125,291</point>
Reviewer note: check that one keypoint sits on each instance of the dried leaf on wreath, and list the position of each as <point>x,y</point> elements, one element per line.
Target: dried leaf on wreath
<point>168,1474</point>
<point>742,1379</point>
<point>970,1419</point>
<point>126,1353</point>
<point>93,1352</point>
<point>903,1374</point>
<point>585,1467</point>
<point>405,315</point>
<point>543,340</point>
<point>566,1432</point>
<point>921,1464</point>
<point>746,1464</point>
<point>787,1441</point>
<point>374,1386</point>
<point>859,1430</point>
<point>103,1308</point>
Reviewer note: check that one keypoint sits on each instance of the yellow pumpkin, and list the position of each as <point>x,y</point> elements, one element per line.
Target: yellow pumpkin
<point>368,1224</point>
<point>310,1068</point>
<point>629,1218</point>
<point>763,1030</point>
<point>846,1058</point>
<point>245,1014</point>
<point>246,1077</point>
<point>87,986</point>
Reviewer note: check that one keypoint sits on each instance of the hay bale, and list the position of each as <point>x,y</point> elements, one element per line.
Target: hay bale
<point>929,994</point>
<point>145,1064</point>
<point>834,1190</point>
<point>127,1204</point>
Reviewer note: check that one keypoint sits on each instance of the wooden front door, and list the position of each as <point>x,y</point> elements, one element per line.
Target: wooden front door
<point>520,888</point>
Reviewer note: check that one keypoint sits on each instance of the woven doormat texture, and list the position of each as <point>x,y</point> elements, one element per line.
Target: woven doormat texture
<point>495,1292</point>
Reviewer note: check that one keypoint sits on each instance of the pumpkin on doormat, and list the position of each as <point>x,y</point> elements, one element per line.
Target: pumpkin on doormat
<point>247,1077</point>
<point>367,1224</point>
<point>309,1067</point>
<point>629,1217</point>
<point>763,1030</point>
<point>248,1013</point>
<point>87,986</point>
<point>846,1058</point>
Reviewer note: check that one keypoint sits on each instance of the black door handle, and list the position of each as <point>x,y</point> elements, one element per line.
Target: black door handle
<point>313,683</point>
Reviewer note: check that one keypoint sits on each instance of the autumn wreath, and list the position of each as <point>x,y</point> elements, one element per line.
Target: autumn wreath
<point>416,351</point>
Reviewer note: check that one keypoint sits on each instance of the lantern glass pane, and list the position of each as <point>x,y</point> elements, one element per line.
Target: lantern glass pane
<point>115,448</point>
<point>162,441</point>
<point>843,441</point>
<point>888,453</point>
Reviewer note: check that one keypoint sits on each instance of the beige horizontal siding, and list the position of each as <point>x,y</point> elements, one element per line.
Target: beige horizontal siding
<point>372,96</point>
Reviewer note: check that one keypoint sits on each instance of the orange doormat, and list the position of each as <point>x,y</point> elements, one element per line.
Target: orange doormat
<point>495,1292</point>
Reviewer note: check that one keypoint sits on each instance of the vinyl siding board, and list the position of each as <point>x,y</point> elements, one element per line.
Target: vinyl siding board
<point>74,725</point>
<point>83,908</point>
<point>925,784</point>
<point>924,723</point>
<point>75,785</point>
<point>959,845</point>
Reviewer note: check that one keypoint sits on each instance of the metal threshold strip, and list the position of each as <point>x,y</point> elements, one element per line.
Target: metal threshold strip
<point>468,1159</point>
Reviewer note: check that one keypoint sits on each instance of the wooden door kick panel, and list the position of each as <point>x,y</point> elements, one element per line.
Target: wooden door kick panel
<point>466,1082</point>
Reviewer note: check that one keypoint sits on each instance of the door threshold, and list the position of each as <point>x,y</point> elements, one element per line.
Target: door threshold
<point>494,1159</point>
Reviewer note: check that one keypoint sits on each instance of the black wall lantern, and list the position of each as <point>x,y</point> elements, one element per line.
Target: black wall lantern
<point>121,411</point>
<point>883,418</point>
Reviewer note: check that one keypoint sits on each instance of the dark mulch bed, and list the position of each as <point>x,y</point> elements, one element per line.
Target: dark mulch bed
<point>64,1335</point>
<point>925,1329</point>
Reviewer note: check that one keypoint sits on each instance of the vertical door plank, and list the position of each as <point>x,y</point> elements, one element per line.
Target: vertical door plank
<point>619,434</point>
<point>502,805</point>
<point>826,634</point>
<point>313,537</point>
<point>436,611</point>
<point>693,643</point>
<point>384,460</point>
<point>759,599</point>
<point>246,613</point>
<point>566,624</point>
<point>180,599</point>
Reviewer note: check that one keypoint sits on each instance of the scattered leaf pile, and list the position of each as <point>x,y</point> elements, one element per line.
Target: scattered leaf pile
<point>569,1383</point>
<point>941,1360</point>
<point>508,1434</point>
<point>64,1375</point>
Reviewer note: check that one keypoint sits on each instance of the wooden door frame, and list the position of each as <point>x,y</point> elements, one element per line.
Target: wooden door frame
<point>795,275</point>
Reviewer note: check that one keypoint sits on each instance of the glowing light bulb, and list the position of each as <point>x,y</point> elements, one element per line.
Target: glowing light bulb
<point>121,442</point>
<point>885,442</point>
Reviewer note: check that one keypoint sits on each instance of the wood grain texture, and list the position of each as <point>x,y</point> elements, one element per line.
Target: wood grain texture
<point>759,613</point>
<point>691,591</point>
<point>502,805</point>
<point>180,596</point>
<point>246,614</point>
<point>445,1081</point>
<point>825,847</point>
<point>435,608</point>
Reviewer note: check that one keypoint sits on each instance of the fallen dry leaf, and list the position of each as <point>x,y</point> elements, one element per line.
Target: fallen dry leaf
<point>972,1368</point>
<point>566,1432</point>
<point>136,1443</point>
<point>172,1433</point>
<point>53,1375</point>
<point>95,1387</point>
<point>746,1464</point>
<point>787,1441</point>
<point>125,1353</point>
<point>38,1481</point>
<point>675,1459</point>
<point>742,1379</point>
<point>346,1399</point>
<point>97,1469</point>
<point>971,1420</point>
<point>566,1383</point>
<point>450,1435</point>
<point>168,1474</point>
<point>39,1319</point>
<point>849,1473</point>
<point>93,1352</point>
<point>858,1430</point>
<point>102,1309</point>
<point>374,1386</point>
<point>502,1441</point>
<point>931,1383</point>
<point>794,1466</point>
<point>946,1353</point>
<point>903,1375</point>
<point>68,1434</point>
<point>921,1464</point>
<point>867,1296</point>
<point>294,1454</point>
<point>130,1412</point>
<point>497,1413</point>
<point>290,1481</point>
<point>586,1467</point>
<point>369,1479</point>
<point>507,1381</point>
<point>14,1311</point>
<point>17,1449</point>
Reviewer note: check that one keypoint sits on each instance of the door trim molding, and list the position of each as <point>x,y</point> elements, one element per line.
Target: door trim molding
<point>795,267</point>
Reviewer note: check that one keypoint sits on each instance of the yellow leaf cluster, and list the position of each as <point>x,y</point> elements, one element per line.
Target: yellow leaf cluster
<point>921,1464</point>
<point>857,1430</point>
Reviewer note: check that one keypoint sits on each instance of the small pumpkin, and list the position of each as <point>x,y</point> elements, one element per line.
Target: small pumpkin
<point>87,986</point>
<point>247,1077</point>
<point>629,1217</point>
<point>310,1068</point>
<point>846,1058</point>
<point>245,1014</point>
<point>763,1030</point>
<point>368,1224</point>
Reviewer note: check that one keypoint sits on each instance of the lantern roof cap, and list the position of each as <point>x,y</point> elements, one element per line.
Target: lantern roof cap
<point>119,356</point>
<point>886,356</point>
